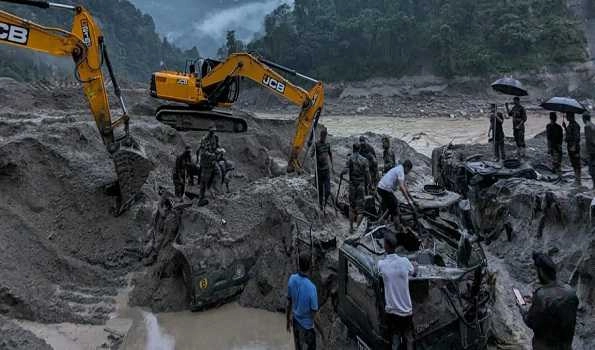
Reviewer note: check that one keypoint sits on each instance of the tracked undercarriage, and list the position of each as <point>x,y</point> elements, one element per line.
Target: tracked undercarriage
<point>183,118</point>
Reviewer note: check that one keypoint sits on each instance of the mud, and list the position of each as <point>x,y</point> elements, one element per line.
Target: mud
<point>567,237</point>
<point>15,337</point>
<point>250,329</point>
<point>64,256</point>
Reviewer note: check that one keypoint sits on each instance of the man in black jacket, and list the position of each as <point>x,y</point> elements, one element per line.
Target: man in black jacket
<point>552,314</point>
<point>555,137</point>
<point>573,142</point>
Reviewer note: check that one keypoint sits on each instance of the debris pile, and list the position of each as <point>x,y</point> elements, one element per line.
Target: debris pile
<point>516,214</point>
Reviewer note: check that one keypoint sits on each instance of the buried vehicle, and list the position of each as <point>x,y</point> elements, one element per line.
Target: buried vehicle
<point>454,168</point>
<point>451,298</point>
<point>211,285</point>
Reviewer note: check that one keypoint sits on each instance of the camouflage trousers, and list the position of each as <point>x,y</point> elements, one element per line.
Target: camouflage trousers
<point>207,176</point>
<point>592,168</point>
<point>179,185</point>
<point>357,192</point>
<point>574,154</point>
<point>556,153</point>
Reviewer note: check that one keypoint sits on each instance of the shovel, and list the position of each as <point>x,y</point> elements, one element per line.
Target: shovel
<point>337,196</point>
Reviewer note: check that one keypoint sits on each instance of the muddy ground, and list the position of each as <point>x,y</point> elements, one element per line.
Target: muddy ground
<point>64,256</point>
<point>567,236</point>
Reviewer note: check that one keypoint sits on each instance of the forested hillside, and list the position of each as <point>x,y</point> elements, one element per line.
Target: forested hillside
<point>135,48</point>
<point>356,39</point>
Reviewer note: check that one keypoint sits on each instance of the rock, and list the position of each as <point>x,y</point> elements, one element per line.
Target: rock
<point>363,109</point>
<point>15,337</point>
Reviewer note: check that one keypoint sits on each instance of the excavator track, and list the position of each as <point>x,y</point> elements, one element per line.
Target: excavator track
<point>133,168</point>
<point>183,118</point>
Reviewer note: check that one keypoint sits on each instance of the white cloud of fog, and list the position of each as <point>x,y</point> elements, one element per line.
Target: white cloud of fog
<point>187,24</point>
<point>208,33</point>
<point>245,19</point>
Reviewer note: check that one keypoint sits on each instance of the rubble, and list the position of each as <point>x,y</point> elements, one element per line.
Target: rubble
<point>17,338</point>
<point>541,213</point>
<point>65,256</point>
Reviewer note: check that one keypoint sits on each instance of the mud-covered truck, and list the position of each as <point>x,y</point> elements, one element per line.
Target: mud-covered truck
<point>450,302</point>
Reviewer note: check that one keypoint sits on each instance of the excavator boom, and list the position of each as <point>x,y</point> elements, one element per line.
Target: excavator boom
<point>217,85</point>
<point>84,43</point>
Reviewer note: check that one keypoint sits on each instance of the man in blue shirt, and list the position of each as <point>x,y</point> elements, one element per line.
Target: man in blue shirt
<point>302,307</point>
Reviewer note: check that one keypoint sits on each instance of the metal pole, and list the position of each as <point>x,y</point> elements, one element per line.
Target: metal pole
<point>316,165</point>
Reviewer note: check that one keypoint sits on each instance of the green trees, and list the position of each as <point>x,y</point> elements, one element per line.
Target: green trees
<point>232,45</point>
<point>355,39</point>
<point>135,48</point>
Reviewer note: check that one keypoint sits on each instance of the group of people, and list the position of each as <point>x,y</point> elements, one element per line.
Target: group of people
<point>550,312</point>
<point>364,179</point>
<point>554,134</point>
<point>209,167</point>
<point>362,169</point>
<point>555,138</point>
<point>496,133</point>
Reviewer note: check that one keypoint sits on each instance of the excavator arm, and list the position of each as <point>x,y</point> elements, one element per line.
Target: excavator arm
<point>205,93</point>
<point>311,102</point>
<point>84,44</point>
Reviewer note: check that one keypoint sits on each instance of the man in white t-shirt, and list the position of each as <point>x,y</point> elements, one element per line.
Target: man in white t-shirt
<point>393,179</point>
<point>395,271</point>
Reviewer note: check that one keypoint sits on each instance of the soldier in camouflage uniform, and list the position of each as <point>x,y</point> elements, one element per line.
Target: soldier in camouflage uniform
<point>324,164</point>
<point>388,155</point>
<point>590,143</point>
<point>368,152</point>
<point>552,314</point>
<point>207,158</point>
<point>359,181</point>
<point>180,172</point>
<point>573,142</point>
<point>555,137</point>
<point>519,117</point>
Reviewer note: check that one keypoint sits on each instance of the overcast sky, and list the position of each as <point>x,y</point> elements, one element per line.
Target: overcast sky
<point>204,23</point>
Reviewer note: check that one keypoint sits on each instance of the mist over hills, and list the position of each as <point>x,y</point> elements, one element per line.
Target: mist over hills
<point>188,23</point>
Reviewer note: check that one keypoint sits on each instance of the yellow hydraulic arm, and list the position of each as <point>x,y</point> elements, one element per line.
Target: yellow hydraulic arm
<point>205,92</point>
<point>260,71</point>
<point>84,43</point>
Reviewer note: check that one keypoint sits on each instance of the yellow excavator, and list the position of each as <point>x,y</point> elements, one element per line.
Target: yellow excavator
<point>85,44</point>
<point>206,94</point>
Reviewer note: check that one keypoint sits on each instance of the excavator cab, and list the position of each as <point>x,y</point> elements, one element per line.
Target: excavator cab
<point>206,98</point>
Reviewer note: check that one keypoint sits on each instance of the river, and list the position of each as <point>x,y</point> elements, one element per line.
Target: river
<point>422,134</point>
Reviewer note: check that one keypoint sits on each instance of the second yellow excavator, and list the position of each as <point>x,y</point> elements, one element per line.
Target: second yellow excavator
<point>217,85</point>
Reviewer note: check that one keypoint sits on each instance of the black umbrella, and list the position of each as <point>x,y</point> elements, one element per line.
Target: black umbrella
<point>509,86</point>
<point>564,105</point>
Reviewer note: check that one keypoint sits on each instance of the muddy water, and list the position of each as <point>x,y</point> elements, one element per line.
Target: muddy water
<point>423,134</point>
<point>230,327</point>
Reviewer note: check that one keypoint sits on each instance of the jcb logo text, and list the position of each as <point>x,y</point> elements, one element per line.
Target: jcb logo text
<point>14,34</point>
<point>273,84</point>
<point>86,33</point>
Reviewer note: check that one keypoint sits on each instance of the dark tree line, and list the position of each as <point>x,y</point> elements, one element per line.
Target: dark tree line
<point>356,39</point>
<point>134,46</point>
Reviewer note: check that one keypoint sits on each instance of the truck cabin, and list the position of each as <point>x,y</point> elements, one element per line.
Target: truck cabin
<point>449,302</point>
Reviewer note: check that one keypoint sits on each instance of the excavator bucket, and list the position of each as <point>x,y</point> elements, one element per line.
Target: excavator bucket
<point>133,168</point>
